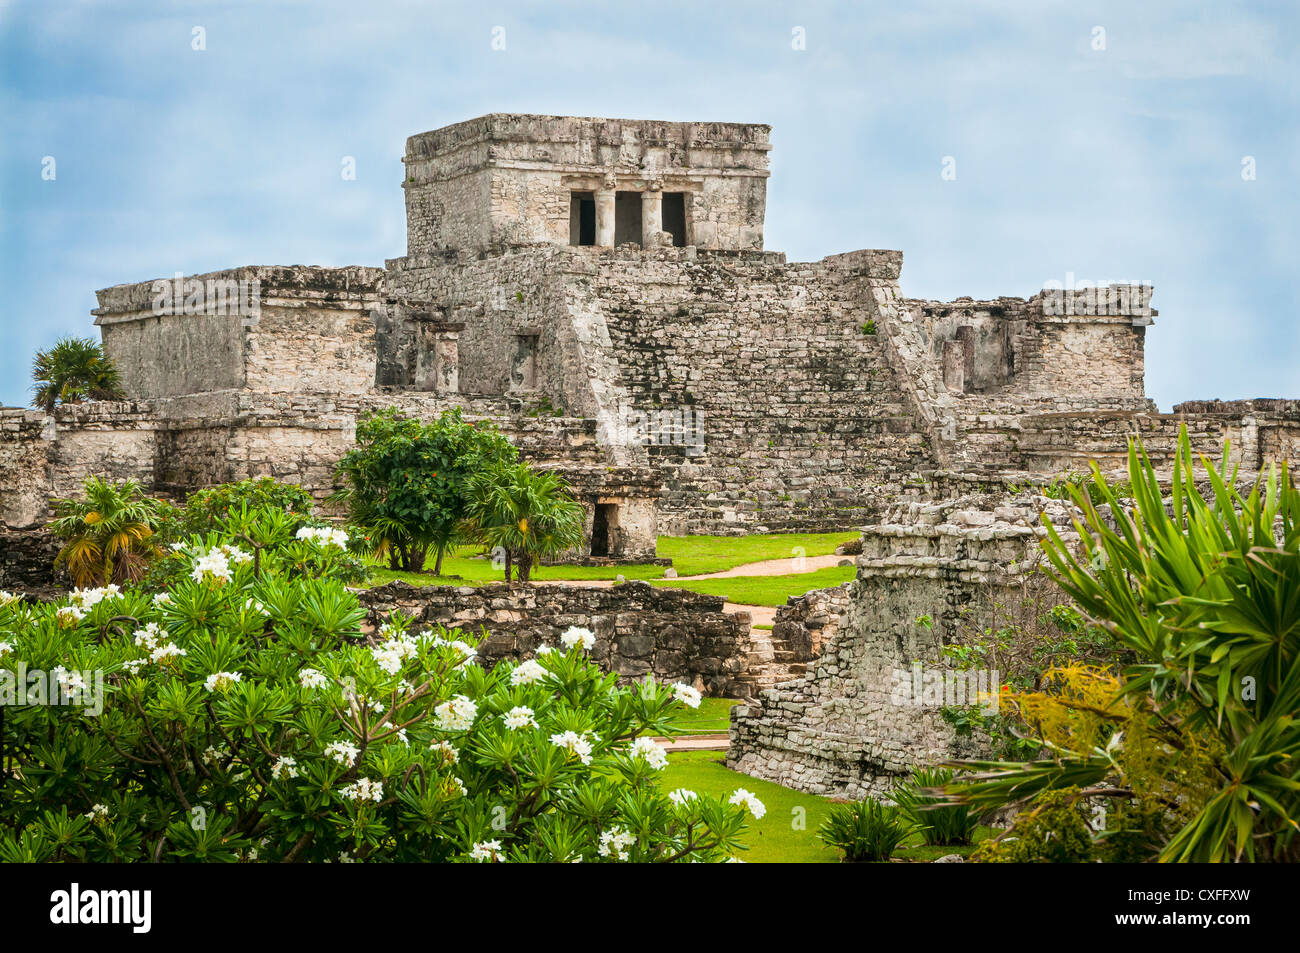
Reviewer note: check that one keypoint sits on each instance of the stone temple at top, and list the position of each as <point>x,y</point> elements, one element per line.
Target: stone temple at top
<point>599,289</point>
<point>521,180</point>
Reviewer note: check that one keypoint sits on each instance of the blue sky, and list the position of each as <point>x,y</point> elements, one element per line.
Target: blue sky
<point>1122,163</point>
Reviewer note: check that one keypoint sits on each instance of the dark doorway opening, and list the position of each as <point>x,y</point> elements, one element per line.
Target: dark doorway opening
<point>582,218</point>
<point>602,524</point>
<point>675,217</point>
<point>627,217</point>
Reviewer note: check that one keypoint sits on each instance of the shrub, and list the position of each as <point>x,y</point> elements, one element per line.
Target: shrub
<point>205,509</point>
<point>1054,831</point>
<point>72,371</point>
<point>527,513</point>
<point>939,822</point>
<point>1200,727</point>
<point>247,715</point>
<point>406,483</point>
<point>865,830</point>
<point>108,534</point>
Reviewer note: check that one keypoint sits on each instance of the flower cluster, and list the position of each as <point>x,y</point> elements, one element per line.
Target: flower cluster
<point>519,717</point>
<point>221,681</point>
<point>363,789</point>
<point>651,752</point>
<point>575,744</point>
<point>750,803</point>
<point>616,841</point>
<point>457,714</point>
<point>486,851</point>
<point>526,673</point>
<point>324,536</point>
<point>310,678</point>
<point>342,752</point>
<point>688,696</point>
<point>575,635</point>
<point>285,767</point>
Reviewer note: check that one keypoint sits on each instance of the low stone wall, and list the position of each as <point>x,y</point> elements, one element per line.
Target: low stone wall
<point>27,560</point>
<point>673,635</point>
<point>806,623</point>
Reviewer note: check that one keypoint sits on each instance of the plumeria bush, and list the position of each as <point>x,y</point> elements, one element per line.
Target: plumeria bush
<point>248,715</point>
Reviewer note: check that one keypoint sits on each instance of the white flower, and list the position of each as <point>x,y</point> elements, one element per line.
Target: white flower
<point>286,767</point>
<point>166,651</point>
<point>6,648</point>
<point>131,665</point>
<point>448,753</point>
<point>392,654</point>
<point>519,717</point>
<point>682,796</point>
<point>346,858</point>
<point>162,599</point>
<point>526,673</point>
<point>652,753</point>
<point>69,682</point>
<point>70,614</point>
<point>686,695</point>
<point>7,597</point>
<point>89,598</point>
<point>616,841</point>
<point>574,743</point>
<point>97,813</point>
<point>252,605</point>
<point>151,636</point>
<point>574,635</point>
<point>488,850</point>
<point>324,536</point>
<point>212,755</point>
<point>310,678</point>
<point>235,556</point>
<point>213,564</point>
<point>221,681</point>
<point>342,752</point>
<point>456,714</point>
<point>749,802</point>
<point>363,789</point>
<point>544,650</point>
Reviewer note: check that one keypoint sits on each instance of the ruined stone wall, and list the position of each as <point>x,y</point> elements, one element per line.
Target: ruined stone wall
<point>804,422</point>
<point>807,623</point>
<point>842,730</point>
<point>672,635</point>
<point>274,329</point>
<point>24,456</point>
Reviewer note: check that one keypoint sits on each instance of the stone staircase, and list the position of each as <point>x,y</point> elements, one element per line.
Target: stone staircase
<point>771,662</point>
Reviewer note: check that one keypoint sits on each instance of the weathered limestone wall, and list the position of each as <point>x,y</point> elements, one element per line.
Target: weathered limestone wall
<point>507,179</point>
<point>672,635</point>
<point>272,329</point>
<point>842,730</point>
<point>25,437</point>
<point>807,623</point>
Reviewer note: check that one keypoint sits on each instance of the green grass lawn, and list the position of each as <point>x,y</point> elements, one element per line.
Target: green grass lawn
<point>713,715</point>
<point>765,590</point>
<point>691,556</point>
<point>787,834</point>
<point>696,555</point>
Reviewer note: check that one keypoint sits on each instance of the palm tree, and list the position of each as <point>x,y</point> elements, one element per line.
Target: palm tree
<point>74,370</point>
<point>526,512</point>
<point>109,535</point>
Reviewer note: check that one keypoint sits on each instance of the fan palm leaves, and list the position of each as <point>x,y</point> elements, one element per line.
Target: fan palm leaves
<point>109,534</point>
<point>528,513</point>
<point>74,370</point>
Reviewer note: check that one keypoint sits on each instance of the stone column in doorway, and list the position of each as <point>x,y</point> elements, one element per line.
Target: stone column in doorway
<point>605,214</point>
<point>652,215</point>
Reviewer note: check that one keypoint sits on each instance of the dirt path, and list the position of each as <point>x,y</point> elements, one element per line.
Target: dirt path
<point>766,567</point>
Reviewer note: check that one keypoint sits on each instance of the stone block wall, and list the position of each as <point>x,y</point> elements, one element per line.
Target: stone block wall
<point>809,622</point>
<point>25,437</point>
<point>672,635</point>
<point>841,730</point>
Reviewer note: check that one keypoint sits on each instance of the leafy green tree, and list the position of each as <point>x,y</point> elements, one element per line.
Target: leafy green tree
<point>528,513</point>
<point>1203,587</point>
<point>72,371</point>
<point>108,534</point>
<point>406,483</point>
<point>206,508</point>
